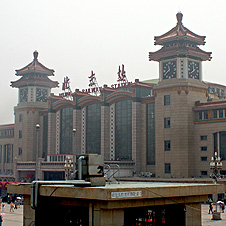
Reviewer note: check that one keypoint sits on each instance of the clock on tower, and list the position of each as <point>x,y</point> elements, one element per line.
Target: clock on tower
<point>23,94</point>
<point>41,95</point>
<point>193,69</point>
<point>169,69</point>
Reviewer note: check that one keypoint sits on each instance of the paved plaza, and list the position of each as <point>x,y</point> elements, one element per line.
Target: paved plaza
<point>16,218</point>
<point>206,218</point>
<point>12,218</point>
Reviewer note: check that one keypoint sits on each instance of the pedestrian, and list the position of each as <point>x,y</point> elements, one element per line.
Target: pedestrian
<point>223,207</point>
<point>11,207</point>
<point>16,204</point>
<point>210,208</point>
<point>1,219</point>
<point>3,207</point>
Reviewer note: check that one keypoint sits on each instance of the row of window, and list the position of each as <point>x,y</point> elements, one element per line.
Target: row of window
<point>6,132</point>
<point>167,146</point>
<point>6,153</point>
<point>168,170</point>
<point>217,113</point>
<point>220,92</point>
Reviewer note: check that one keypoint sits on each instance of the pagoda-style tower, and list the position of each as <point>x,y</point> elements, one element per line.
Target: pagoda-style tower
<point>180,85</point>
<point>34,88</point>
<point>180,57</point>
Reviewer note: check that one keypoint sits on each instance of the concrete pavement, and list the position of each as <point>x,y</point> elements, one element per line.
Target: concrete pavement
<point>206,218</point>
<point>12,218</point>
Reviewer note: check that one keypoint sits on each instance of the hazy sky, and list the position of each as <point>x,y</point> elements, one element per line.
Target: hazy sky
<point>74,37</point>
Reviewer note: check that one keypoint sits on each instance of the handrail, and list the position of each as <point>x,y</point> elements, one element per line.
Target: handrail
<point>108,172</point>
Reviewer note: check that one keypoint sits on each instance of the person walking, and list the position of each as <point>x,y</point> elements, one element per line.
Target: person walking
<point>11,207</point>
<point>1,219</point>
<point>223,207</point>
<point>210,208</point>
<point>3,207</point>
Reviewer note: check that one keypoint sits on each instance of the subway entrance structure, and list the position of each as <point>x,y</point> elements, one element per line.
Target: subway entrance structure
<point>127,203</point>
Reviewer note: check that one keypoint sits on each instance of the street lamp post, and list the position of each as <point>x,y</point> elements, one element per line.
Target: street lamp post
<point>68,168</point>
<point>215,167</point>
<point>74,151</point>
<point>37,147</point>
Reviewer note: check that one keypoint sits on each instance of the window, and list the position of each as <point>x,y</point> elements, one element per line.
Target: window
<point>167,145</point>
<point>20,133</point>
<point>20,117</point>
<point>203,173</point>
<point>93,129</point>
<point>205,114</point>
<point>204,159</point>
<point>45,136</point>
<point>218,91</point>
<point>215,115</point>
<point>166,122</point>
<point>8,153</point>
<point>19,151</point>
<point>66,130</point>
<point>221,113</point>
<point>220,143</point>
<point>123,130</point>
<point>204,148</point>
<point>204,137</point>
<point>167,100</point>
<point>150,133</point>
<point>167,168</point>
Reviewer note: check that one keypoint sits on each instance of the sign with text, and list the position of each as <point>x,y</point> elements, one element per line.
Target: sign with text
<point>126,194</point>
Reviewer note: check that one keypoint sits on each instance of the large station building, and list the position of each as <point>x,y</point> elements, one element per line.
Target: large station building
<point>169,128</point>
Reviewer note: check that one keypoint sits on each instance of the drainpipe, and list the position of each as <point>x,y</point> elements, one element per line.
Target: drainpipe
<point>80,167</point>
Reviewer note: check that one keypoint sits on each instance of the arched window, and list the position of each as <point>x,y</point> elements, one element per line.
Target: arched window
<point>123,130</point>
<point>93,129</point>
<point>66,124</point>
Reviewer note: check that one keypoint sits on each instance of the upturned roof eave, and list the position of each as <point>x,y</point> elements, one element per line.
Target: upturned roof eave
<point>31,68</point>
<point>22,82</point>
<point>34,67</point>
<point>173,35</point>
<point>180,38</point>
<point>163,53</point>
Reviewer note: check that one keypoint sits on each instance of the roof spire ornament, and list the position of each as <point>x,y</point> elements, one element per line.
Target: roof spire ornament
<point>179,17</point>
<point>35,53</point>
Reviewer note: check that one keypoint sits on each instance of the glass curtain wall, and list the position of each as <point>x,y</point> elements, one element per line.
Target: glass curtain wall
<point>93,129</point>
<point>123,130</point>
<point>66,130</point>
<point>8,153</point>
<point>220,138</point>
<point>45,136</point>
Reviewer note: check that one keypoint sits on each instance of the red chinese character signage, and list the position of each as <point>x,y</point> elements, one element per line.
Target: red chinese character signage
<point>66,88</point>
<point>122,75</point>
<point>95,89</point>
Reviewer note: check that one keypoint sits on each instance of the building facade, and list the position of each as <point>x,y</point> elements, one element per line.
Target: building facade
<point>169,128</point>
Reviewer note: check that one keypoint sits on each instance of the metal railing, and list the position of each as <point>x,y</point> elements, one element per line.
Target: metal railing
<point>110,172</point>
